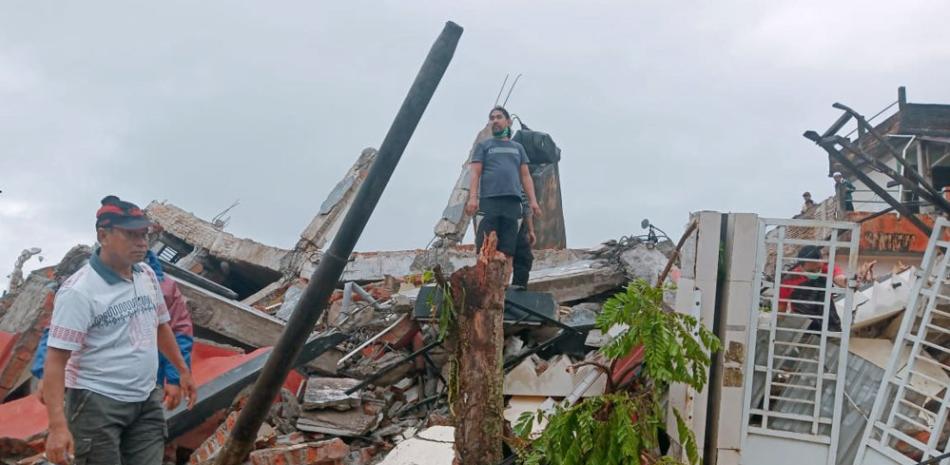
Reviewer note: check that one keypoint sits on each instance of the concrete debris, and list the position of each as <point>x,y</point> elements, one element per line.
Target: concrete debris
<point>350,423</point>
<point>229,318</point>
<point>431,446</point>
<point>514,345</point>
<point>328,393</point>
<point>643,262</point>
<point>185,228</point>
<point>518,405</point>
<point>328,220</point>
<point>583,314</point>
<point>362,395</point>
<point>577,280</point>
<point>554,378</point>
<point>291,297</point>
<point>16,277</point>
<point>882,299</point>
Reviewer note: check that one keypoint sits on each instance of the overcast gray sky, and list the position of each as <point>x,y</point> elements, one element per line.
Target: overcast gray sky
<point>661,108</point>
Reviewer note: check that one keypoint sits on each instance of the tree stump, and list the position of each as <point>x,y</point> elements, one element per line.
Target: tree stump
<point>478,294</point>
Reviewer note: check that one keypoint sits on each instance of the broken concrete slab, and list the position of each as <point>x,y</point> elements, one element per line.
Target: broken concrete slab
<point>431,446</point>
<point>518,405</point>
<point>643,262</point>
<point>391,362</point>
<point>583,314</point>
<point>350,423</point>
<point>230,318</point>
<point>530,378</point>
<point>329,393</point>
<point>577,280</point>
<point>549,228</point>
<point>328,220</point>
<point>882,299</point>
<point>220,244</point>
<point>453,224</point>
<point>375,266</point>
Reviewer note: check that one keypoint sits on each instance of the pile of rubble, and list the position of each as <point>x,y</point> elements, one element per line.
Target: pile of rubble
<point>382,392</point>
<point>372,382</point>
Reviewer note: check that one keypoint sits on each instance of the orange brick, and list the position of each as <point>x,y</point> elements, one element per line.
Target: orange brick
<point>311,453</point>
<point>210,448</point>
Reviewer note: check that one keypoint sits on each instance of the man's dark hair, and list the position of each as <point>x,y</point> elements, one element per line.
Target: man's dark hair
<point>502,110</point>
<point>810,252</point>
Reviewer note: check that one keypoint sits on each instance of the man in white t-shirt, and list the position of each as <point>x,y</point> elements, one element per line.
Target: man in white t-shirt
<point>109,322</point>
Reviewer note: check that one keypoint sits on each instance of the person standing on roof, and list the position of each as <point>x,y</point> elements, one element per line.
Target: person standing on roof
<point>109,323</point>
<point>844,189</point>
<point>808,204</point>
<point>500,173</point>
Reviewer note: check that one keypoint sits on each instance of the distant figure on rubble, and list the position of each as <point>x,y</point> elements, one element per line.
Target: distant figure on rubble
<point>109,324</point>
<point>809,203</point>
<point>524,257</point>
<point>843,189</point>
<point>805,282</point>
<point>499,175</point>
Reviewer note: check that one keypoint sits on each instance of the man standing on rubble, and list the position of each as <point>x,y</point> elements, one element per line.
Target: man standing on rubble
<point>500,173</point>
<point>109,322</point>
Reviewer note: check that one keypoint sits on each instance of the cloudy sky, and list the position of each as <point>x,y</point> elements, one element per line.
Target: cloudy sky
<point>661,108</point>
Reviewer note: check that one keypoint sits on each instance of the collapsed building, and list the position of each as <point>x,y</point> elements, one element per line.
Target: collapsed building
<point>370,385</point>
<point>372,376</point>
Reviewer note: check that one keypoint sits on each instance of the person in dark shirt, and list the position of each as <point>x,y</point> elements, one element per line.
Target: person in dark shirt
<point>844,189</point>
<point>499,169</point>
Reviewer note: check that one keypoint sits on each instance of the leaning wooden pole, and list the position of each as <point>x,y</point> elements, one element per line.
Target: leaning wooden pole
<point>478,294</point>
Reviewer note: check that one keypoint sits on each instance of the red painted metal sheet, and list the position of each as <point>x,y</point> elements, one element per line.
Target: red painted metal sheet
<point>22,418</point>
<point>7,341</point>
<point>624,368</point>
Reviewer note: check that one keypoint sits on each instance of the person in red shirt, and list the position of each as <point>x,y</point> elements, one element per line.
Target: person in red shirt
<point>811,272</point>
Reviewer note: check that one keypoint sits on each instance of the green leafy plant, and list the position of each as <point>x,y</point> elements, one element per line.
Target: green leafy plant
<point>448,323</point>
<point>623,427</point>
<point>445,307</point>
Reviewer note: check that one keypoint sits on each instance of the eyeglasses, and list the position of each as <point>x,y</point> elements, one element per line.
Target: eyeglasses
<point>133,235</point>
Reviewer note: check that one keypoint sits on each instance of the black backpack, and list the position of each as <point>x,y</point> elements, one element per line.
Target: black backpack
<point>539,146</point>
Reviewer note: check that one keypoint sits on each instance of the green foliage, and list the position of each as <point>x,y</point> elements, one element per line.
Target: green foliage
<point>623,427</point>
<point>608,429</point>
<point>445,306</point>
<point>671,352</point>
<point>448,324</point>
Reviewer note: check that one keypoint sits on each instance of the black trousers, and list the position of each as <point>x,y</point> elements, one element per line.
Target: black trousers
<point>523,258</point>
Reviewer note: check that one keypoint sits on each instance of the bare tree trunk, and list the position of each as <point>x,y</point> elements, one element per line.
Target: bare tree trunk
<point>479,297</point>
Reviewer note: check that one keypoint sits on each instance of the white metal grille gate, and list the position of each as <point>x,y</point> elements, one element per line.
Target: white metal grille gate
<point>907,425</point>
<point>793,397</point>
